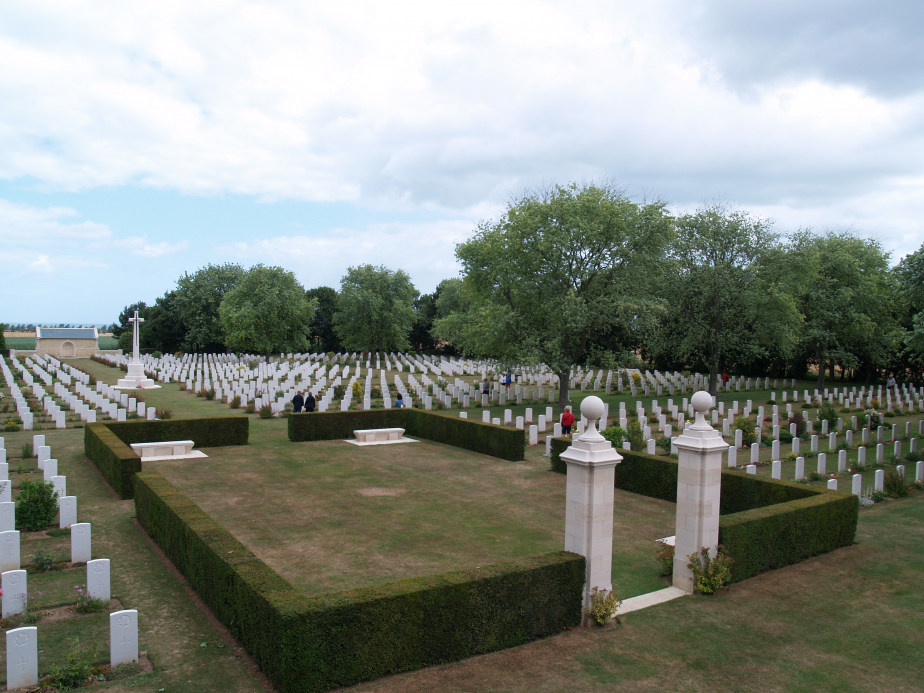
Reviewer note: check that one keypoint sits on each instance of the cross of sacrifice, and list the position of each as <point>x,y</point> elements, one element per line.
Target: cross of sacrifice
<point>136,327</point>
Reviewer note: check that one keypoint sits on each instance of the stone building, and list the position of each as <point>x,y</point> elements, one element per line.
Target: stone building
<point>66,342</point>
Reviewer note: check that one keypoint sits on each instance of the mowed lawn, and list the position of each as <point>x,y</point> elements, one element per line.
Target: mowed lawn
<point>330,516</point>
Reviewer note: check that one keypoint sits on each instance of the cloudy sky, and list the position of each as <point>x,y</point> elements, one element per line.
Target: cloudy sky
<point>139,141</point>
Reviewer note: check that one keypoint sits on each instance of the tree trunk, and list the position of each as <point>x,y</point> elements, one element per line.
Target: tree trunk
<point>821,367</point>
<point>564,385</point>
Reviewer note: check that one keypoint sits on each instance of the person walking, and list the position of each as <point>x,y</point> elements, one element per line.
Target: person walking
<point>567,421</point>
<point>298,402</point>
<point>310,403</point>
<point>891,385</point>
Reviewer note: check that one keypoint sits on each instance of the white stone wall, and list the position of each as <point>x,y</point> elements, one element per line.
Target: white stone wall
<point>82,348</point>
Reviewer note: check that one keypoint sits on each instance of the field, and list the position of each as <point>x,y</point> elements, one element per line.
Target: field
<point>28,343</point>
<point>330,516</point>
<point>844,621</point>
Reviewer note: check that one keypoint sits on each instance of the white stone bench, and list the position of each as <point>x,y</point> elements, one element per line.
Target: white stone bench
<point>374,435</point>
<point>163,449</point>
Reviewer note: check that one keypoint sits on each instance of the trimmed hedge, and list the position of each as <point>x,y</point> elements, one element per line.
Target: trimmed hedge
<point>339,639</point>
<point>487,439</point>
<point>764,523</point>
<point>107,444</point>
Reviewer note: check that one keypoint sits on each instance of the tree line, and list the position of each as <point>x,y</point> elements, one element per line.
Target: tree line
<point>581,275</point>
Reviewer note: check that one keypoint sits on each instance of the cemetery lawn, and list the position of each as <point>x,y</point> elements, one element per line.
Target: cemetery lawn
<point>329,516</point>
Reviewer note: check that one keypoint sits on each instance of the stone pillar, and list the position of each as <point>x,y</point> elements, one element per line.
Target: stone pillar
<point>699,482</point>
<point>591,462</point>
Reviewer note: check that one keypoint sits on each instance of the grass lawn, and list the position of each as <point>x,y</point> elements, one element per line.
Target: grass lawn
<point>850,620</point>
<point>330,516</point>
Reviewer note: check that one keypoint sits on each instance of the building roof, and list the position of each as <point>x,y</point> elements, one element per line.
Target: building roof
<point>66,333</point>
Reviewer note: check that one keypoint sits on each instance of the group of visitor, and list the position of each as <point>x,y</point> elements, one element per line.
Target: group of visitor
<point>299,402</point>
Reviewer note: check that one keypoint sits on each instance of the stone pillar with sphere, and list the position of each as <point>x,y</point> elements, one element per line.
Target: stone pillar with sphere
<point>591,462</point>
<point>699,485</point>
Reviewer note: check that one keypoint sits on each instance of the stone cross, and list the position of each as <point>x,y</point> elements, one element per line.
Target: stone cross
<point>136,334</point>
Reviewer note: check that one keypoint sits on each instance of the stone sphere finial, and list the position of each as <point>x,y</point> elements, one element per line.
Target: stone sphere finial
<point>592,408</point>
<point>701,401</point>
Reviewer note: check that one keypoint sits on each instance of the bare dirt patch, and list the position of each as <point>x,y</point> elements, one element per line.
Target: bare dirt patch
<point>374,492</point>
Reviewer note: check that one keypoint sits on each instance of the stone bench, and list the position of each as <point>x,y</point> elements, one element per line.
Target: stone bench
<point>373,435</point>
<point>163,449</point>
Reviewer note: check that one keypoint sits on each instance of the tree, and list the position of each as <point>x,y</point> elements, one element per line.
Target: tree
<point>128,312</point>
<point>267,312</point>
<point>375,310</point>
<point>844,295</point>
<point>162,329</point>
<point>2,336</point>
<point>726,292</point>
<point>198,298</point>
<point>425,312</point>
<point>910,277</point>
<point>559,267</point>
<point>322,332</point>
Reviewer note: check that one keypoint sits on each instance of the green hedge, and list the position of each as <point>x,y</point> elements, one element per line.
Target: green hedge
<point>107,444</point>
<point>339,639</point>
<point>764,523</point>
<point>487,439</point>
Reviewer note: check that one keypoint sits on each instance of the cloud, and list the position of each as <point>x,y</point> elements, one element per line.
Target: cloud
<point>425,250</point>
<point>138,246</point>
<point>26,224</point>
<point>41,264</point>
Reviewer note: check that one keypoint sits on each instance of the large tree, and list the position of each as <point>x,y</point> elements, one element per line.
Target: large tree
<point>127,312</point>
<point>558,268</point>
<point>726,292</point>
<point>162,328</point>
<point>910,276</point>
<point>844,293</point>
<point>198,297</point>
<point>322,332</point>
<point>375,309</point>
<point>267,312</point>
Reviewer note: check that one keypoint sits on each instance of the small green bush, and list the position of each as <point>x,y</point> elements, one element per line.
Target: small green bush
<point>709,574</point>
<point>26,451</point>
<point>894,484</point>
<point>36,505</point>
<point>746,426</point>
<point>603,606</point>
<point>615,435</point>
<point>828,413</point>
<point>80,668</point>
<point>43,561</point>
<point>266,412</point>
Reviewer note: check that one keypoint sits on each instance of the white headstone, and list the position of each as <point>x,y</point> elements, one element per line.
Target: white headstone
<point>81,542</point>
<point>98,579</point>
<point>14,588</point>
<point>7,517</point>
<point>67,510</point>
<point>123,636</point>
<point>22,657</point>
<point>50,469</point>
<point>9,550</point>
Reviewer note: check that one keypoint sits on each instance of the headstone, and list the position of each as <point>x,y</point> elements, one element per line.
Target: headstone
<point>822,463</point>
<point>14,588</point>
<point>832,484</point>
<point>60,484</point>
<point>123,637</point>
<point>879,483</point>
<point>732,456</point>
<point>50,469</point>
<point>842,461</point>
<point>755,452</point>
<point>9,550</point>
<point>776,469</point>
<point>22,657</point>
<point>751,469</point>
<point>800,469</point>
<point>857,484</point>
<point>67,511</point>
<point>81,542</point>
<point>7,517</point>
<point>98,579</point>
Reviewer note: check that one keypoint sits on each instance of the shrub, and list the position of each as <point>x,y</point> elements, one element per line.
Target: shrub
<point>27,451</point>
<point>665,555</point>
<point>603,606</point>
<point>894,484</point>
<point>889,415</point>
<point>786,437</point>
<point>615,435</point>
<point>746,426</point>
<point>828,413</point>
<point>87,604</point>
<point>43,561</point>
<point>210,394</point>
<point>266,412</point>
<point>872,418</point>
<point>11,427</point>
<point>797,418</point>
<point>36,505</point>
<point>634,433</point>
<point>163,414</point>
<point>251,407</point>
<point>182,387</point>
<point>709,574</point>
<point>80,667</point>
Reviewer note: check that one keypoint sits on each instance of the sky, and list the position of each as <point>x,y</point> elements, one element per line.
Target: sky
<point>142,141</point>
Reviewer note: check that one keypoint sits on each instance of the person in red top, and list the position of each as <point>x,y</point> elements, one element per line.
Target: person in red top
<point>567,421</point>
